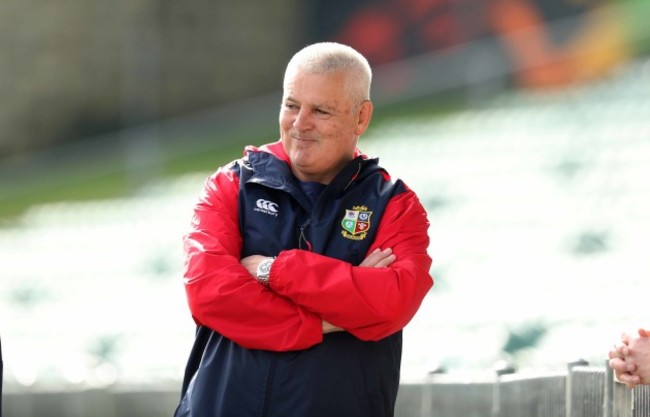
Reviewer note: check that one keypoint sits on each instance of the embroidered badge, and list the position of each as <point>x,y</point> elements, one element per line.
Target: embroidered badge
<point>356,223</point>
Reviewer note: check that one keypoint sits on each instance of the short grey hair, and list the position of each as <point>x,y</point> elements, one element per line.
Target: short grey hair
<point>327,57</point>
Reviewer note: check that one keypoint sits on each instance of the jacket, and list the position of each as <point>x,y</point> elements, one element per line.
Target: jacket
<point>261,351</point>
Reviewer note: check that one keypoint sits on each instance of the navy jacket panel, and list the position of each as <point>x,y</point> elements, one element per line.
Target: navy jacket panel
<point>229,381</point>
<point>297,225</point>
<point>343,376</point>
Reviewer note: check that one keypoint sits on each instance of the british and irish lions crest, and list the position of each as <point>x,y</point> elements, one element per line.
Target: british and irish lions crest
<point>356,223</point>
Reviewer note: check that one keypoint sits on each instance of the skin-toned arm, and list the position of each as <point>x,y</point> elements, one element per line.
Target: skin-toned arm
<point>630,358</point>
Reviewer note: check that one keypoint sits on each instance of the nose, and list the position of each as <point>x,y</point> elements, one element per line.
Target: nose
<point>302,122</point>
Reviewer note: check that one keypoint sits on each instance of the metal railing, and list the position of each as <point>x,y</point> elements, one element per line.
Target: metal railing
<point>581,391</point>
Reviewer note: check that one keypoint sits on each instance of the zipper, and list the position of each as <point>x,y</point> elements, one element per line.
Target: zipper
<point>266,400</point>
<point>303,237</point>
<point>354,177</point>
<point>303,242</point>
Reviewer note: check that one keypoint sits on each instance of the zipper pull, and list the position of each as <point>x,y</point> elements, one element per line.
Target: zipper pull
<point>303,237</point>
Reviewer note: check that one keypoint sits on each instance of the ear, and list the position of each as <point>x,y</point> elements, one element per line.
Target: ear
<point>364,116</point>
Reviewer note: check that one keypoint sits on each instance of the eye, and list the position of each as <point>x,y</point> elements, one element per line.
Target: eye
<point>290,106</point>
<point>321,111</point>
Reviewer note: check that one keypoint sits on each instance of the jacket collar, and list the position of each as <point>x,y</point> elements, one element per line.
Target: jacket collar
<point>268,171</point>
<point>276,148</point>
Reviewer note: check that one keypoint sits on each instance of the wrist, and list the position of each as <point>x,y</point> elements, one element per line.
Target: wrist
<point>263,271</point>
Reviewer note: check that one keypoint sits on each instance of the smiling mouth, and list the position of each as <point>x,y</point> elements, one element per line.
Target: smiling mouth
<point>303,139</point>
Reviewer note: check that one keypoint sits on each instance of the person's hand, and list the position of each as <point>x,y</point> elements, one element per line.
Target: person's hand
<point>379,258</point>
<point>251,263</point>
<point>630,358</point>
<point>330,328</point>
<point>621,367</point>
<point>639,354</point>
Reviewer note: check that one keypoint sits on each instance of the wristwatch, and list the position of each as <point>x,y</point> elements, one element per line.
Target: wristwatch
<point>264,270</point>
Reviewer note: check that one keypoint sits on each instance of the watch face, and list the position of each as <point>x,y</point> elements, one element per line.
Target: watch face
<point>264,268</point>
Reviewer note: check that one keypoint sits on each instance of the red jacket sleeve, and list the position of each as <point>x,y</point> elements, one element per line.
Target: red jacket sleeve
<point>370,303</point>
<point>221,293</point>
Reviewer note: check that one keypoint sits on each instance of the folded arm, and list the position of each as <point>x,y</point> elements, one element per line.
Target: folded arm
<point>376,259</point>
<point>220,292</point>
<point>370,303</point>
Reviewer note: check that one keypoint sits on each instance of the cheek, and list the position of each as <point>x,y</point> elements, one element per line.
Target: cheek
<point>339,135</point>
<point>332,130</point>
<point>285,123</point>
<point>287,118</point>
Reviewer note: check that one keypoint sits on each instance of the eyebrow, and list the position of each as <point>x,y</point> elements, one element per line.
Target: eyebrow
<point>321,106</point>
<point>326,107</point>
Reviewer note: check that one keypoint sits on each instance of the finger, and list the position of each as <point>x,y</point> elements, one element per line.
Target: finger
<point>386,261</point>
<point>629,366</point>
<point>629,379</point>
<point>625,338</point>
<point>371,258</point>
<point>622,349</point>
<point>384,253</point>
<point>644,332</point>
<point>618,364</point>
<point>385,258</point>
<point>376,257</point>
<point>617,351</point>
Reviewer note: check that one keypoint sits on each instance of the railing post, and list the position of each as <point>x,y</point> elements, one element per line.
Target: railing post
<point>500,368</point>
<point>608,392</point>
<point>569,381</point>
<point>426,409</point>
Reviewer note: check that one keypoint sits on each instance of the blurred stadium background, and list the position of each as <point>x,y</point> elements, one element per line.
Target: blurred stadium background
<point>523,125</point>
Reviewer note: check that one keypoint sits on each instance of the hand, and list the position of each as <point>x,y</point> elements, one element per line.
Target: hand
<point>630,359</point>
<point>379,258</point>
<point>639,355</point>
<point>622,368</point>
<point>251,263</point>
<point>330,328</point>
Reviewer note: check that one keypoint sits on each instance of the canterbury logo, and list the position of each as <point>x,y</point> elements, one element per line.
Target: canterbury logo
<point>266,206</point>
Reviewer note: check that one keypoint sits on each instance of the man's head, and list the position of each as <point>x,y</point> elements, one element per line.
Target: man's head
<point>325,108</point>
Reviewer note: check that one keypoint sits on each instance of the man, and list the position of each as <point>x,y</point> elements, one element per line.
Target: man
<point>304,262</point>
<point>630,358</point>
